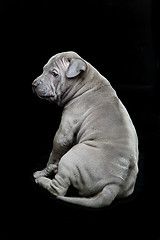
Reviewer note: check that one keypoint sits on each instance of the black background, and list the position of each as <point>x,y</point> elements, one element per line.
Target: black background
<point>121,39</point>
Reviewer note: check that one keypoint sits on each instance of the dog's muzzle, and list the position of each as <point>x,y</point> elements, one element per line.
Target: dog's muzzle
<point>43,91</point>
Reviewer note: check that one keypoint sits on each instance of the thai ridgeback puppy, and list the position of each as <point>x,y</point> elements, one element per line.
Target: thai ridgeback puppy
<point>95,148</point>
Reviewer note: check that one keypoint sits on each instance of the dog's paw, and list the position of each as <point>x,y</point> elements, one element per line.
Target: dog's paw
<point>43,182</point>
<point>46,184</point>
<point>39,174</point>
<point>46,172</point>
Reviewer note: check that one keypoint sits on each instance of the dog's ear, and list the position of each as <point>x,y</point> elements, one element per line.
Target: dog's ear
<point>76,66</point>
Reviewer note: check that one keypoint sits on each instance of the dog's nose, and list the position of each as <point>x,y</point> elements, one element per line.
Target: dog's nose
<point>35,83</point>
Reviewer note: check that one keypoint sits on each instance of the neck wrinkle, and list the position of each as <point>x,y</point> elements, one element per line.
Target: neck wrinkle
<point>82,87</point>
<point>70,93</point>
<point>79,92</point>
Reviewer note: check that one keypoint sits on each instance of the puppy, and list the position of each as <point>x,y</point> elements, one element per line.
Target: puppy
<point>95,148</point>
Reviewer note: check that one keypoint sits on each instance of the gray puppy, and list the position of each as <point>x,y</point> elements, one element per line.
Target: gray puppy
<point>95,148</point>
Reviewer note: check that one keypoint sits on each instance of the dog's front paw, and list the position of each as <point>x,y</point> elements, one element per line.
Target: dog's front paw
<point>39,174</point>
<point>51,169</point>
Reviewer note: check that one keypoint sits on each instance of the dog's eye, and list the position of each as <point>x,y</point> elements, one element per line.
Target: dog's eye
<point>54,74</point>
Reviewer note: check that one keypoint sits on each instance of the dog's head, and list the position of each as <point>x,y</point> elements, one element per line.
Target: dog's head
<point>59,76</point>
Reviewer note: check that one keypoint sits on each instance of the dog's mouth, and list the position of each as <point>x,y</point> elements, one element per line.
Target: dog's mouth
<point>42,95</point>
<point>51,98</point>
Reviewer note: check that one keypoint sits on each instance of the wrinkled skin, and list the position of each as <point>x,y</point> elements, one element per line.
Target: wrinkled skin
<point>95,148</point>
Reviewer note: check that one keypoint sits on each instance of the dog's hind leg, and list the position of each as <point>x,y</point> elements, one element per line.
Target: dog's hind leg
<point>59,185</point>
<point>56,186</point>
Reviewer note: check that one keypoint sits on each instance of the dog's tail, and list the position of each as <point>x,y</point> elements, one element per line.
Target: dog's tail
<point>102,199</point>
